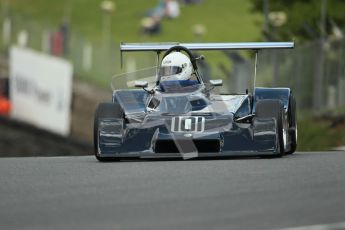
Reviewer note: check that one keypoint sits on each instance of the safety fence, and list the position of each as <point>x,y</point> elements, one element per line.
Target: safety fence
<point>315,71</point>
<point>92,59</point>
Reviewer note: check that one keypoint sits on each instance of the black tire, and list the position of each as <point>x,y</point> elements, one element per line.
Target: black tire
<point>269,108</point>
<point>292,125</point>
<point>104,110</point>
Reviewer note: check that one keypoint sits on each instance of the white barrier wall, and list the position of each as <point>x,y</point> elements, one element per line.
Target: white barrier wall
<point>41,90</point>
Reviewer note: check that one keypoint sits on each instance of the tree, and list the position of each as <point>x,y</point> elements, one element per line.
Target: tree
<point>303,18</point>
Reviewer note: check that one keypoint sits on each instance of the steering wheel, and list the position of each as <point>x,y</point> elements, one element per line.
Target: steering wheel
<point>182,48</point>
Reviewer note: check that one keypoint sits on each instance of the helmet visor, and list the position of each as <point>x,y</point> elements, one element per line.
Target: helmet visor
<point>169,70</point>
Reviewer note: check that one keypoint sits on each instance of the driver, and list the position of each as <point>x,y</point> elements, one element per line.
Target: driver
<point>176,71</point>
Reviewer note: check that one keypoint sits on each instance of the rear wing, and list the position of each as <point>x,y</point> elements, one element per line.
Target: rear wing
<point>158,47</point>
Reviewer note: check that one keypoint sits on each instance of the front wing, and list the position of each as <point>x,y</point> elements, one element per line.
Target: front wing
<point>158,138</point>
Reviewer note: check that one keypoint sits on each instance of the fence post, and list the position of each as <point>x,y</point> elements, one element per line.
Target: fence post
<point>45,44</point>
<point>6,31</point>
<point>87,56</point>
<point>22,38</point>
<point>318,78</point>
<point>341,93</point>
<point>331,97</point>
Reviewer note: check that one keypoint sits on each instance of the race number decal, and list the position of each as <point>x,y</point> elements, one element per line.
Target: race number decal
<point>188,124</point>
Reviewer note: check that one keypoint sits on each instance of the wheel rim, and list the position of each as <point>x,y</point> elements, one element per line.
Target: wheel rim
<point>296,133</point>
<point>285,134</point>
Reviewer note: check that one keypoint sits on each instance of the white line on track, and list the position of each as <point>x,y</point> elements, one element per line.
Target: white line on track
<point>334,226</point>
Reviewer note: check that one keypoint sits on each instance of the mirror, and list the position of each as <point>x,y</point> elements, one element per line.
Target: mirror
<point>141,84</point>
<point>217,82</point>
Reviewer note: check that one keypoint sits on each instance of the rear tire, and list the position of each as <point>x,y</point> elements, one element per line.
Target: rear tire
<point>104,110</point>
<point>270,108</point>
<point>292,124</point>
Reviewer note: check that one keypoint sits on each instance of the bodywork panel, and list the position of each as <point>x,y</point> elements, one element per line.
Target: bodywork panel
<point>283,94</point>
<point>196,125</point>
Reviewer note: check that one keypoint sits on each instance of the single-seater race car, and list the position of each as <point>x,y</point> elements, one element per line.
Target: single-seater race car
<point>180,116</point>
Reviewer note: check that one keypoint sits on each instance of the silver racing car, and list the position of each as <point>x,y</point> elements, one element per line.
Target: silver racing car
<point>173,113</point>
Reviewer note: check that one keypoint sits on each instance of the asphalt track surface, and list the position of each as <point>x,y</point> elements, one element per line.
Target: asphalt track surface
<point>80,193</point>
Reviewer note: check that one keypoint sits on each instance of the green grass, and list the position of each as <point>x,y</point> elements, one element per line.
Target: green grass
<point>224,20</point>
<point>318,135</point>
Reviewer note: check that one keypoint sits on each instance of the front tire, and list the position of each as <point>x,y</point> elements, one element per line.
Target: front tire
<point>270,108</point>
<point>103,111</point>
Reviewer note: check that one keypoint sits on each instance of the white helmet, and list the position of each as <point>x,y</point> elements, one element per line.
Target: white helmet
<point>175,67</point>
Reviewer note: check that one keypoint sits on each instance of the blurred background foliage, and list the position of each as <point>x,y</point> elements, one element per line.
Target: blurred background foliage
<point>315,25</point>
<point>303,21</point>
<point>224,20</point>
<point>220,21</point>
